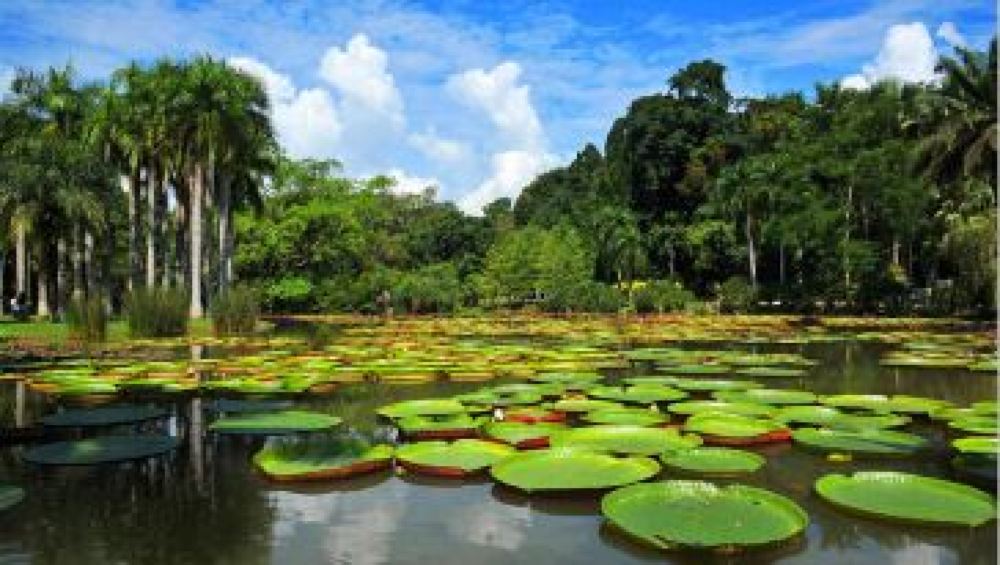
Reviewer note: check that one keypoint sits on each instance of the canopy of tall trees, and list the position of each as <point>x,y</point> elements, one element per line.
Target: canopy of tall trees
<point>169,175</point>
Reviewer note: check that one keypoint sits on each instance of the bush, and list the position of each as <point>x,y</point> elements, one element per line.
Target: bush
<point>156,312</point>
<point>290,294</point>
<point>736,296</point>
<point>87,319</point>
<point>236,311</point>
<point>430,289</point>
<point>662,296</point>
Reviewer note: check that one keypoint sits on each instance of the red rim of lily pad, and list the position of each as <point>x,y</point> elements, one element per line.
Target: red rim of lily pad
<point>343,472</point>
<point>535,417</point>
<point>777,436</point>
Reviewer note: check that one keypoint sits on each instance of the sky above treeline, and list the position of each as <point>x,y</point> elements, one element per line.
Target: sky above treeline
<point>476,98</point>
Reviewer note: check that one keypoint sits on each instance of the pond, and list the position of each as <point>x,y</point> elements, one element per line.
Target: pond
<point>205,503</point>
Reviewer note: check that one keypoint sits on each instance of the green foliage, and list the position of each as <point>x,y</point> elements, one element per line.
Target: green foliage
<point>431,289</point>
<point>87,319</point>
<point>662,296</point>
<point>236,311</point>
<point>156,312</point>
<point>736,295</point>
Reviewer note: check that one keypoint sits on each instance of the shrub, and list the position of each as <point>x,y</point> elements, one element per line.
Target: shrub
<point>736,295</point>
<point>87,319</point>
<point>662,296</point>
<point>290,294</point>
<point>156,312</point>
<point>236,311</point>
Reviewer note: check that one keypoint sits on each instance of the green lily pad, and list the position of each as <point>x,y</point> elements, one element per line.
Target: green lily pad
<point>104,416</point>
<point>908,498</point>
<point>713,461</point>
<point>709,385</point>
<point>696,514</point>
<point>903,404</point>
<point>422,407</point>
<point>583,405</point>
<point>815,415</point>
<point>776,372</point>
<point>978,445</point>
<point>567,379</point>
<point>640,394</point>
<point>463,456</point>
<point>769,396</point>
<point>985,407</point>
<point>874,442</point>
<point>867,421</point>
<point>697,369</point>
<point>692,407</point>
<point>975,424</point>
<point>105,449</point>
<point>568,468</point>
<point>10,495</point>
<point>239,406</point>
<point>730,425</point>
<point>632,440</point>
<point>518,433</point>
<point>451,422</point>
<point>878,402</point>
<point>321,458</point>
<point>274,423</point>
<point>629,416</point>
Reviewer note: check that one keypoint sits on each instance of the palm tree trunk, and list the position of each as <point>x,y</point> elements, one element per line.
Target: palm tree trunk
<point>195,224</point>
<point>180,245</point>
<point>77,260</point>
<point>43,288</point>
<point>130,184</point>
<point>225,241</point>
<point>751,250</point>
<point>163,233</point>
<point>21,259</point>
<point>90,269</point>
<point>895,251</point>
<point>62,284</point>
<point>153,232</point>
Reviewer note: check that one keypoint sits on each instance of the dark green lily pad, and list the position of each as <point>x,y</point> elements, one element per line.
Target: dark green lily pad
<point>568,469</point>
<point>632,440</point>
<point>104,449</point>
<point>275,423</point>
<point>697,514</point>
<point>713,461</point>
<point>874,442</point>
<point>103,416</point>
<point>10,495</point>
<point>776,372</point>
<point>908,498</point>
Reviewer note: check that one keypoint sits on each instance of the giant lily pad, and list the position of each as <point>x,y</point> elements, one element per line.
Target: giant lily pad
<point>571,469</point>
<point>978,445</point>
<point>769,396</point>
<point>422,407</point>
<point>522,435</point>
<point>629,416</point>
<point>675,514</point>
<point>583,405</point>
<point>734,429</point>
<point>105,416</point>
<point>692,407</point>
<point>777,372</point>
<point>639,394</point>
<point>875,442</point>
<point>275,423</point>
<point>457,459</point>
<point>321,458</point>
<point>713,461</point>
<point>867,421</point>
<point>908,498</point>
<point>975,424</point>
<point>815,415</point>
<point>567,379</point>
<point>452,426</point>
<point>633,440</point>
<point>703,385</point>
<point>10,495</point>
<point>104,449</point>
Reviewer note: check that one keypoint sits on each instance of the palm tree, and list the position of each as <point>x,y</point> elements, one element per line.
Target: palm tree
<point>959,123</point>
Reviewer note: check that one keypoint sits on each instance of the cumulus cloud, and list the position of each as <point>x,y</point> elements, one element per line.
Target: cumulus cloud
<point>511,170</point>
<point>438,148</point>
<point>306,121</point>
<point>506,102</point>
<point>907,55</point>
<point>411,184</point>
<point>360,73</point>
<point>948,31</point>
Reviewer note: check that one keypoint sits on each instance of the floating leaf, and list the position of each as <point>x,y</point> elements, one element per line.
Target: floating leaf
<point>713,461</point>
<point>10,495</point>
<point>273,423</point>
<point>522,435</point>
<point>628,416</point>
<point>571,469</point>
<point>104,416</point>
<point>769,396</point>
<point>321,458</point>
<point>105,449</point>
<point>909,498</point>
<point>978,445</point>
<point>422,407</point>
<point>635,440</point>
<point>692,407</point>
<point>875,442</point>
<point>456,459</point>
<point>673,514</point>
<point>730,425</point>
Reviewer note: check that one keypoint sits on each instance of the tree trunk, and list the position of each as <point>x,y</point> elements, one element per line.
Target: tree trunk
<point>195,223</point>
<point>751,250</point>
<point>153,232</point>
<point>90,269</point>
<point>671,260</point>
<point>895,251</point>
<point>130,184</point>
<point>163,233</point>
<point>76,255</point>
<point>62,297</point>
<point>180,246</point>
<point>22,259</point>
<point>847,241</point>
<point>43,289</point>
<point>225,241</point>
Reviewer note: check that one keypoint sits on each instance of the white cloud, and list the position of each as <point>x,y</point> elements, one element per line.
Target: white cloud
<point>511,171</point>
<point>949,32</point>
<point>411,184</point>
<point>307,122</point>
<point>360,74</point>
<point>506,102</point>
<point>438,148</point>
<point>907,55</point>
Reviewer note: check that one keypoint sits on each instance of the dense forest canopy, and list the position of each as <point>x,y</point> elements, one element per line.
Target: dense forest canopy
<point>169,175</point>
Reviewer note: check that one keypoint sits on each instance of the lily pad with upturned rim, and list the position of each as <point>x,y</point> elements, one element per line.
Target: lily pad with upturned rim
<point>722,461</point>
<point>731,425</point>
<point>522,435</point>
<point>768,396</point>
<point>274,423</point>
<point>568,468</point>
<point>105,449</point>
<point>697,514</point>
<point>456,459</point>
<point>624,439</point>
<point>638,394</point>
<point>627,416</point>
<point>422,407</point>
<point>872,442</point>
<point>10,495</point>
<point>710,385</point>
<point>104,416</point>
<point>692,407</point>
<point>452,426</point>
<point>975,424</point>
<point>319,459</point>
<point>978,445</point>
<point>583,405</point>
<point>908,498</point>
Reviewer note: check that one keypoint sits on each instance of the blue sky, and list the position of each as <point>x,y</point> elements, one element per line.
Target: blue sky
<point>477,97</point>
